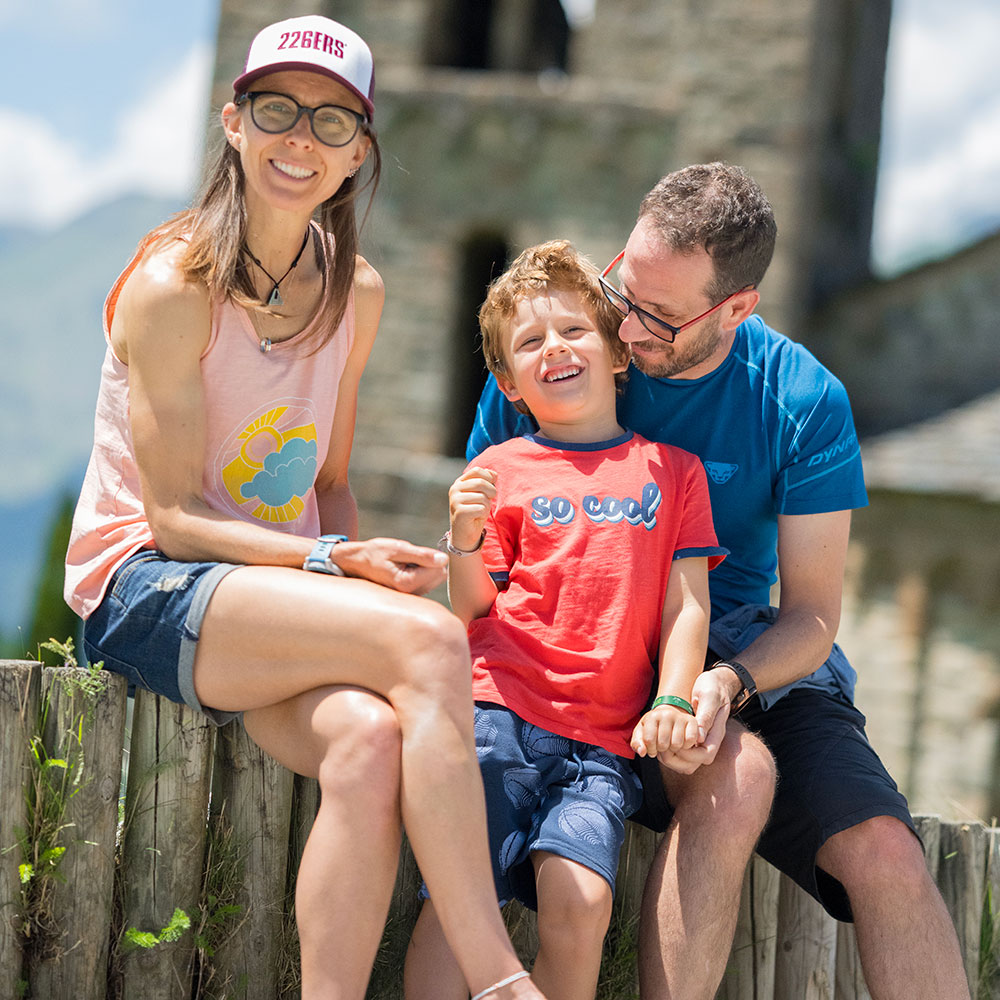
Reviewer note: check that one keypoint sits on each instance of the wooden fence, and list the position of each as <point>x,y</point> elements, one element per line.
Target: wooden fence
<point>176,877</point>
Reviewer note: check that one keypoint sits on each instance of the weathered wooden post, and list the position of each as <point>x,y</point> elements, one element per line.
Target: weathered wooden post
<point>962,881</point>
<point>90,726</point>
<point>751,967</point>
<point>989,967</point>
<point>254,795</point>
<point>305,805</point>
<point>633,867</point>
<point>20,684</point>
<point>166,810</point>
<point>929,829</point>
<point>805,959</point>
<point>850,979</point>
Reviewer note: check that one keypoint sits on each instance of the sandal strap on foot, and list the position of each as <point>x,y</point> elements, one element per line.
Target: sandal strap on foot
<point>500,985</point>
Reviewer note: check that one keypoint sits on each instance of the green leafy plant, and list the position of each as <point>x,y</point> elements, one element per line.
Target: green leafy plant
<point>179,923</point>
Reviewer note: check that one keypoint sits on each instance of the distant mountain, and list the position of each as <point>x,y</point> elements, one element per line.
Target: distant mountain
<point>52,287</point>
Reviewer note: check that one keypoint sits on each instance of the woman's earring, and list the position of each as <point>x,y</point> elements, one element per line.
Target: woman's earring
<point>351,173</point>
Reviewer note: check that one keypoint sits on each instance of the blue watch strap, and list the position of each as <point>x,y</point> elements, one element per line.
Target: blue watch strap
<point>318,561</point>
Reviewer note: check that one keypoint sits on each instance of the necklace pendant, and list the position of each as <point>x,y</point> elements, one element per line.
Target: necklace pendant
<point>265,345</point>
<point>275,299</point>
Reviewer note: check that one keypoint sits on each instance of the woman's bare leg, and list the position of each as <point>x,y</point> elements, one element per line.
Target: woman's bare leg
<point>271,633</point>
<point>348,739</point>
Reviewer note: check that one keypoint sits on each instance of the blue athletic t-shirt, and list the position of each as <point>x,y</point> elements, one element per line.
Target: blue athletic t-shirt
<point>773,429</point>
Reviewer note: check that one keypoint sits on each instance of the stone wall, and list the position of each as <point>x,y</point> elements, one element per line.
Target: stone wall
<point>918,344</point>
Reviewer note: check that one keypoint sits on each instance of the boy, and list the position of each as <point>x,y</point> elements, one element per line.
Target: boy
<point>549,535</point>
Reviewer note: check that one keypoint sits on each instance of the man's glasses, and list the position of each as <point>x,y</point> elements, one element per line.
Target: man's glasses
<point>274,113</point>
<point>657,327</point>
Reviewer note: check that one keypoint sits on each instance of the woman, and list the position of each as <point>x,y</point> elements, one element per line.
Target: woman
<point>201,555</point>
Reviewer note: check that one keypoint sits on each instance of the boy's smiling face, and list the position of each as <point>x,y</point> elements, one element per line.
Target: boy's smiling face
<point>561,367</point>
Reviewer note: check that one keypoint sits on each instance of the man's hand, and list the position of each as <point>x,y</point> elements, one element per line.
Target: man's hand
<point>393,563</point>
<point>469,501</point>
<point>712,693</point>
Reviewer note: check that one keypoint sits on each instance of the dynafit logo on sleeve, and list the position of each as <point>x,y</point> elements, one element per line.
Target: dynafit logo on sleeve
<point>269,466</point>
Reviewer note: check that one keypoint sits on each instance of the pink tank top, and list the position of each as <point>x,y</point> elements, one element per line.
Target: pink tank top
<point>268,424</point>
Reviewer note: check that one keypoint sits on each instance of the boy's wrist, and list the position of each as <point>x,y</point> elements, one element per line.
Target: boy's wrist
<point>673,701</point>
<point>460,546</point>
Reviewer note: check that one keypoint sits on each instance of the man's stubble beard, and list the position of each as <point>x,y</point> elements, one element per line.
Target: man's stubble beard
<point>669,361</point>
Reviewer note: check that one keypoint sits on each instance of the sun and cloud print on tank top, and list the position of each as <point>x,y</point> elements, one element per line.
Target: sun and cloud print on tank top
<point>265,469</point>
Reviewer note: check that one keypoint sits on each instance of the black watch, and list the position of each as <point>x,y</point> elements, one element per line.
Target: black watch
<point>749,688</point>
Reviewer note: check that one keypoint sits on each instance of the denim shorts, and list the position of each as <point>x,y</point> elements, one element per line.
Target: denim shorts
<point>545,792</point>
<point>147,626</point>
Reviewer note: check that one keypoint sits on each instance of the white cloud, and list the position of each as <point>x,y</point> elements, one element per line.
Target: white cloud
<point>47,180</point>
<point>941,199</point>
<point>939,182</point>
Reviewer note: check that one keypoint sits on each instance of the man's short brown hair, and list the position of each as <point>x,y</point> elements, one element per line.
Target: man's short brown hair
<point>718,208</point>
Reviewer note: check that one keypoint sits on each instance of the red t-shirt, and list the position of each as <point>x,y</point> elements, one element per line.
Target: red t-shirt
<point>581,537</point>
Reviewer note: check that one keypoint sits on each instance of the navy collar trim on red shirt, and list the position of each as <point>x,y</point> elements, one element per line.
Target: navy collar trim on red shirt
<point>575,446</point>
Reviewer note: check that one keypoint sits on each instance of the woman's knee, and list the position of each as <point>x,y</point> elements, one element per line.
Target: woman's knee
<point>361,740</point>
<point>358,723</point>
<point>431,649</point>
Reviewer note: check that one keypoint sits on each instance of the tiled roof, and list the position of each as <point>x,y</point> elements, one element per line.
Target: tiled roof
<point>956,453</point>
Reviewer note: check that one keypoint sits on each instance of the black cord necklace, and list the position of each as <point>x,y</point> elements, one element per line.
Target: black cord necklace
<point>275,299</point>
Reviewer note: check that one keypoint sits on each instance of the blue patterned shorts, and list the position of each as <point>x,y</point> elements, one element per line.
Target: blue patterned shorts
<point>545,792</point>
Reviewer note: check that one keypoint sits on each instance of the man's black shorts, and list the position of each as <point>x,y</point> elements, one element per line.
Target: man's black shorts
<point>829,779</point>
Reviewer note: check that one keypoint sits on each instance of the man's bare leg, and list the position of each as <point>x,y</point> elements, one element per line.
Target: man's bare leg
<point>691,900</point>
<point>906,938</point>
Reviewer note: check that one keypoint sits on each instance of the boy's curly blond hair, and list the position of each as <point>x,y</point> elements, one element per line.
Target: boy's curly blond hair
<point>553,266</point>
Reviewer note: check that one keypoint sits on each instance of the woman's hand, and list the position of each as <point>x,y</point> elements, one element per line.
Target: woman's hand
<point>393,563</point>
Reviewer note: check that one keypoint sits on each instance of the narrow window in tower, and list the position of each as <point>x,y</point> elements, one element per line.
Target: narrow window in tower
<point>483,257</point>
<point>515,36</point>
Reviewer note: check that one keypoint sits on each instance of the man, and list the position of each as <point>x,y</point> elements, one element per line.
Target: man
<point>775,433</point>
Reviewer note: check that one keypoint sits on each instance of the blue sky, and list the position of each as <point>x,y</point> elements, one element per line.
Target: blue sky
<point>102,97</point>
<point>98,98</point>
